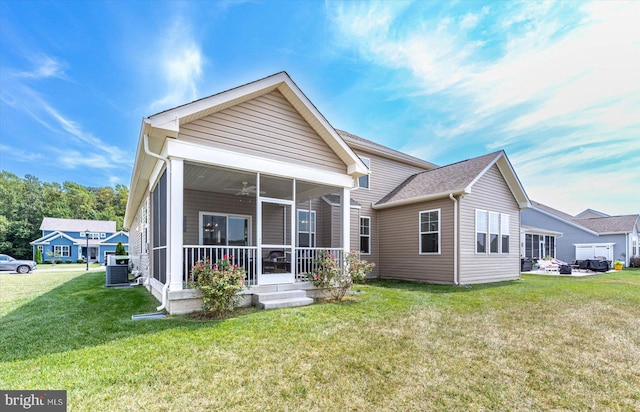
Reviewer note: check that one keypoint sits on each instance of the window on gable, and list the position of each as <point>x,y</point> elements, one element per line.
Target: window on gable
<point>363,181</point>
<point>365,235</point>
<point>430,232</point>
<point>306,228</point>
<point>481,231</point>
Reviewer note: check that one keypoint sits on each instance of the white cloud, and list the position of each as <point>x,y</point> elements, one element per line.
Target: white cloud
<point>45,66</point>
<point>559,88</point>
<point>19,155</point>
<point>179,60</point>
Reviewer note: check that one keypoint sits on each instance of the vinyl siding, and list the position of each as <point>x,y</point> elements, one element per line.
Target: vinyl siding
<point>565,244</point>
<point>267,126</point>
<point>489,193</point>
<point>196,201</point>
<point>386,175</point>
<point>399,231</point>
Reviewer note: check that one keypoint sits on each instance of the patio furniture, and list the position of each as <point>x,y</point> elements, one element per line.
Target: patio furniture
<point>276,262</point>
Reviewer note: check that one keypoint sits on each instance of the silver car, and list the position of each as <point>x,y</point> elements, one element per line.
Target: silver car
<point>20,266</point>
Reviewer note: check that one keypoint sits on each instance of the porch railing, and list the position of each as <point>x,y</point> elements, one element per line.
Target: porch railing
<point>243,256</point>
<point>306,259</point>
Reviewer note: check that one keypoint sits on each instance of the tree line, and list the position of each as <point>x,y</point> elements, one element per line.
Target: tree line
<point>24,202</point>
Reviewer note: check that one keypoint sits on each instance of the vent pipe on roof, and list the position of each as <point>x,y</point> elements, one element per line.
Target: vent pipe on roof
<point>455,239</point>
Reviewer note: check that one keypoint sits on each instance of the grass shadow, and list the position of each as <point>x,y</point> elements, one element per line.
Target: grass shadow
<point>433,288</point>
<point>81,313</point>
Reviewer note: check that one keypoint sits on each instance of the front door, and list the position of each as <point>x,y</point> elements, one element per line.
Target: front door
<point>276,241</point>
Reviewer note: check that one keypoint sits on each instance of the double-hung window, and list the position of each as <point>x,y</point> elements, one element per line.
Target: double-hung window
<point>494,232</point>
<point>430,232</point>
<point>481,231</point>
<point>365,235</point>
<point>306,228</point>
<point>504,231</point>
<point>61,251</point>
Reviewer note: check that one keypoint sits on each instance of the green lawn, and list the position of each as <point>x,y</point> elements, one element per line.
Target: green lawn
<point>541,343</point>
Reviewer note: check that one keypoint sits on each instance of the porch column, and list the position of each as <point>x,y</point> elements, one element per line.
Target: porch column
<point>174,229</point>
<point>346,219</point>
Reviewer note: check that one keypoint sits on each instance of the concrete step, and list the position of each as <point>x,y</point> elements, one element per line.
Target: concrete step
<point>286,303</point>
<point>282,299</point>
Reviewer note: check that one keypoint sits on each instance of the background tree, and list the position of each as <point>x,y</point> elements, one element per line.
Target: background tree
<point>24,202</point>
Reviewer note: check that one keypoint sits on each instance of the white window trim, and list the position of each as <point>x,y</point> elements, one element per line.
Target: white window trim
<point>62,248</point>
<point>420,232</point>
<point>226,215</point>
<point>310,232</point>
<point>367,236</point>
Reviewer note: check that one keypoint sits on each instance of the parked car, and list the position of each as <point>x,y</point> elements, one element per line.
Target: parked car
<point>20,266</point>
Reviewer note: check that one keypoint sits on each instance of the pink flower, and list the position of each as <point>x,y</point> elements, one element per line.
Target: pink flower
<point>225,257</point>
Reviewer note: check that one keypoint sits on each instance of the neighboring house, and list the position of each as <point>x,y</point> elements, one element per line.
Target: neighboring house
<point>67,239</point>
<point>549,232</point>
<point>259,174</point>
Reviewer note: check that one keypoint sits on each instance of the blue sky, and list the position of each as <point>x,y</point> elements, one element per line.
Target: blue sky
<point>554,84</point>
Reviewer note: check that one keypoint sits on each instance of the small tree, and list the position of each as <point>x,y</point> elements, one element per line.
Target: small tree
<point>120,250</point>
<point>38,257</point>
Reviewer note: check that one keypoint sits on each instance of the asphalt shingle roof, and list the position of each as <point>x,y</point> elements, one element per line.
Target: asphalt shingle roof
<point>447,179</point>
<point>78,225</point>
<point>609,224</point>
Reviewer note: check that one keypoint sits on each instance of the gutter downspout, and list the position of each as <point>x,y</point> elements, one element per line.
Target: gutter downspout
<point>455,239</point>
<point>165,288</point>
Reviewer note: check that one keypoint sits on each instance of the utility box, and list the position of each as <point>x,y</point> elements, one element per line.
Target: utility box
<point>117,270</point>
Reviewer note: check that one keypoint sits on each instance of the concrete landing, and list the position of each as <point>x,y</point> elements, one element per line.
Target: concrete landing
<point>281,299</point>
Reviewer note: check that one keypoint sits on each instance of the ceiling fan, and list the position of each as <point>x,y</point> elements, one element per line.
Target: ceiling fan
<point>244,190</point>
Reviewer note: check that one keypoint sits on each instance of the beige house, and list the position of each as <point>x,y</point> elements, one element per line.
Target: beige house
<point>259,174</point>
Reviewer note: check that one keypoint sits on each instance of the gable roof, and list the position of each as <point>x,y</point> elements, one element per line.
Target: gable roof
<point>610,224</point>
<point>593,225</point>
<point>358,142</point>
<point>45,240</point>
<point>157,128</point>
<point>588,213</point>
<point>457,178</point>
<point>123,233</point>
<point>77,225</point>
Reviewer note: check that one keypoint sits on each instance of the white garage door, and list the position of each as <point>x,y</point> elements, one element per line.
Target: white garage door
<point>592,250</point>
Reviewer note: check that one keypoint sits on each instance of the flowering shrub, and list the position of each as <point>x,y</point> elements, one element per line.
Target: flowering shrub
<point>358,269</point>
<point>219,284</point>
<point>331,276</point>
